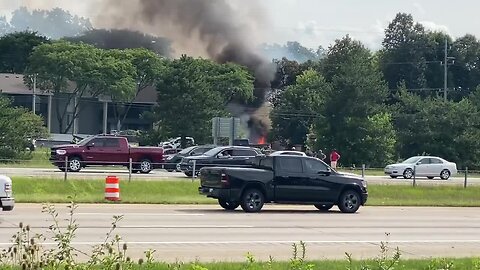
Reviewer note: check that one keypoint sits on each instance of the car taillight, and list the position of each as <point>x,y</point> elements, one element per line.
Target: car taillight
<point>224,180</point>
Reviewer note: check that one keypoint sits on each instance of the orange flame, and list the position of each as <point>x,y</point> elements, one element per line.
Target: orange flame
<point>262,140</point>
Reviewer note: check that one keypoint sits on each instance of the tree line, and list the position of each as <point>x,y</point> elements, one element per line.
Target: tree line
<point>374,107</point>
<point>379,107</point>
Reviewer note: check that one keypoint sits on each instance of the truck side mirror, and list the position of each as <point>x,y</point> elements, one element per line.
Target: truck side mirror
<point>90,145</point>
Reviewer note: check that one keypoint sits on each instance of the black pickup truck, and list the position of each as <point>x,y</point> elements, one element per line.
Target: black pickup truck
<point>283,179</point>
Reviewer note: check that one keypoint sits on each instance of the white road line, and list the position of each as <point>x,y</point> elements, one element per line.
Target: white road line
<point>137,214</point>
<point>449,241</point>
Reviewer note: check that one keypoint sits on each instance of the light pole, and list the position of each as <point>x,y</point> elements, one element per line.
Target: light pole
<point>33,94</point>
<point>445,70</point>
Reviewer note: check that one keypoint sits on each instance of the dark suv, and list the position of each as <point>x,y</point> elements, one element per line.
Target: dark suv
<point>172,161</point>
<point>220,156</point>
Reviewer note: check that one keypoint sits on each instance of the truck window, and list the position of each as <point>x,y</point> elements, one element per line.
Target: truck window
<point>99,142</point>
<point>315,166</point>
<point>244,153</point>
<point>112,142</point>
<point>292,165</point>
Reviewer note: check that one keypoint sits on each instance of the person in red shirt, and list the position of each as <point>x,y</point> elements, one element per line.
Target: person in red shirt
<point>334,157</point>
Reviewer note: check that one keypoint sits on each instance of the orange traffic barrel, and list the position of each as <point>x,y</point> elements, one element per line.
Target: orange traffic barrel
<point>112,188</point>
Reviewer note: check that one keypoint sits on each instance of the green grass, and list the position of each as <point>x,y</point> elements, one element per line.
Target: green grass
<point>427,264</point>
<point>36,159</point>
<point>29,190</point>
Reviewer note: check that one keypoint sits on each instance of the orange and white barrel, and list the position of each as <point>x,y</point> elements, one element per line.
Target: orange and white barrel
<point>112,188</point>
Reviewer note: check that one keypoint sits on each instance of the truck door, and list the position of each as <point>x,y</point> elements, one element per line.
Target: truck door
<point>289,179</point>
<point>320,188</point>
<point>116,151</point>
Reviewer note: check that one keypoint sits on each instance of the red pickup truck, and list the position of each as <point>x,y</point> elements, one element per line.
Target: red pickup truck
<point>106,150</point>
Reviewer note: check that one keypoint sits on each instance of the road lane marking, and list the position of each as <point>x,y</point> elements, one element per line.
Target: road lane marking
<point>138,214</point>
<point>449,241</point>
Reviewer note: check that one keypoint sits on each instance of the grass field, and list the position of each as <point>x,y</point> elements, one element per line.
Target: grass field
<point>438,264</point>
<point>28,190</point>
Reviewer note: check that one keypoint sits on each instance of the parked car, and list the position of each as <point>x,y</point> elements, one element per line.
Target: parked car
<point>7,202</point>
<point>289,153</point>
<point>219,156</point>
<point>106,150</point>
<point>177,142</point>
<point>423,166</point>
<point>172,161</point>
<point>283,179</point>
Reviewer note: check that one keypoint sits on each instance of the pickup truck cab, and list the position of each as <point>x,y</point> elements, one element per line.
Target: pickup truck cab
<point>283,179</point>
<point>7,201</point>
<point>106,150</point>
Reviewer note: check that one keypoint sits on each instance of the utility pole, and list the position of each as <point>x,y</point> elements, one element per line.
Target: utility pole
<point>445,68</point>
<point>33,95</point>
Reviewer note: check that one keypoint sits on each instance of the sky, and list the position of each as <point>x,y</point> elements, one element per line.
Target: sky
<point>320,22</point>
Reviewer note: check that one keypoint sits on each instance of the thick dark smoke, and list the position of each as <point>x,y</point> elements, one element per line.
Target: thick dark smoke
<point>211,27</point>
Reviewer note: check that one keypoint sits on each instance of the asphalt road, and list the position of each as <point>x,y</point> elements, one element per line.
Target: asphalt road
<point>208,233</point>
<point>102,172</point>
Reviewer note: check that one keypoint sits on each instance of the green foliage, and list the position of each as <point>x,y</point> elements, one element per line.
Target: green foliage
<point>445,129</point>
<point>15,48</point>
<point>353,118</point>
<point>297,107</point>
<point>81,70</point>
<point>193,91</point>
<point>17,126</point>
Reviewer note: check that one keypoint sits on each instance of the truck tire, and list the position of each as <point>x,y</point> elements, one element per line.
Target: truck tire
<point>349,201</point>
<point>324,207</point>
<point>8,208</point>
<point>74,164</point>
<point>228,205</point>
<point>145,166</point>
<point>252,200</point>
<point>189,174</point>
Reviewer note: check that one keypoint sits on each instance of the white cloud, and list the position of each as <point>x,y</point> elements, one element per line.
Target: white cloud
<point>429,25</point>
<point>419,8</point>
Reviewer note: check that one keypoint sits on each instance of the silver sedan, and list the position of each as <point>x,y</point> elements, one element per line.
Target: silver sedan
<point>422,166</point>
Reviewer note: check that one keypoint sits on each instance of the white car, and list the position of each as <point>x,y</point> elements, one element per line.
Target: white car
<point>425,166</point>
<point>289,153</point>
<point>7,201</point>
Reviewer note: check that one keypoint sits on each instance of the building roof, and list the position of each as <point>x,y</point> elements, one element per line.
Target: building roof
<point>13,84</point>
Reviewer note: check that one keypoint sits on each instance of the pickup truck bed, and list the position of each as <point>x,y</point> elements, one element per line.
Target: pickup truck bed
<point>283,179</point>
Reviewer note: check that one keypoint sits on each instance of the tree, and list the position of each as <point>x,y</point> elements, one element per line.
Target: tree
<point>435,127</point>
<point>466,71</point>
<point>124,39</point>
<point>75,71</point>
<point>193,91</point>
<point>17,126</point>
<point>55,23</point>
<point>297,107</point>
<point>148,66</point>
<point>402,57</point>
<point>15,48</point>
<point>354,119</point>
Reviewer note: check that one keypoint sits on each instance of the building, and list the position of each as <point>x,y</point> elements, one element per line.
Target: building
<point>95,114</point>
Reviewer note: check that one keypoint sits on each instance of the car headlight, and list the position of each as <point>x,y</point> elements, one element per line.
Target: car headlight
<point>364,184</point>
<point>61,152</point>
<point>169,157</point>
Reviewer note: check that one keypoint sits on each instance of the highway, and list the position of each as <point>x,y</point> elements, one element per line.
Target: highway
<point>208,233</point>
<point>102,172</point>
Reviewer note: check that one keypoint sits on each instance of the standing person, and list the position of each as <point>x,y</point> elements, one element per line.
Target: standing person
<point>334,157</point>
<point>321,155</point>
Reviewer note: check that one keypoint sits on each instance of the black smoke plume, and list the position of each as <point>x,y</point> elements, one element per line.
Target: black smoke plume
<point>212,27</point>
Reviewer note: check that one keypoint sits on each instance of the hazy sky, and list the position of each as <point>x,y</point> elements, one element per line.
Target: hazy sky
<point>320,22</point>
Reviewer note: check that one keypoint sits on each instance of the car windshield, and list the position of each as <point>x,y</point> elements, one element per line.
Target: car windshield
<point>85,141</point>
<point>187,150</point>
<point>212,152</point>
<point>411,160</point>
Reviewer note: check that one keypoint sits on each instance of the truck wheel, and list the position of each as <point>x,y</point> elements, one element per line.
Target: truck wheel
<point>228,205</point>
<point>323,207</point>
<point>145,166</point>
<point>252,200</point>
<point>189,174</point>
<point>349,201</point>
<point>74,164</point>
